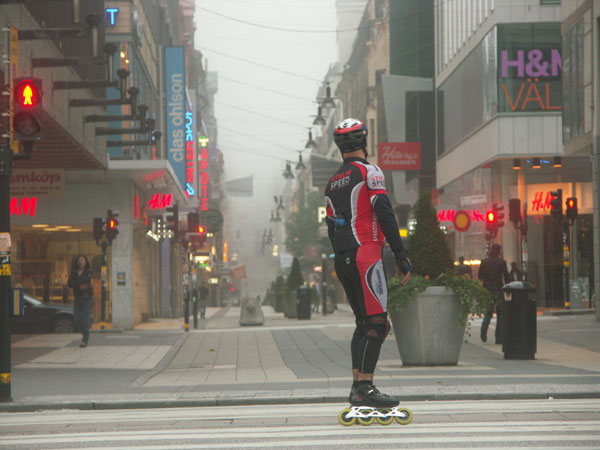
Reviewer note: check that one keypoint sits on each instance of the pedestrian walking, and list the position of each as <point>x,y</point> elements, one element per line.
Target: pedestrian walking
<point>80,280</point>
<point>494,274</point>
<point>515,273</point>
<point>463,269</point>
<point>202,298</point>
<point>359,216</point>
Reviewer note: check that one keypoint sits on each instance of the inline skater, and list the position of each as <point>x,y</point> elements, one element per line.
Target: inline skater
<point>359,216</point>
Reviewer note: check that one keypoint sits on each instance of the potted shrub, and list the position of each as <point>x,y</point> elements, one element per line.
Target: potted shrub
<point>429,313</point>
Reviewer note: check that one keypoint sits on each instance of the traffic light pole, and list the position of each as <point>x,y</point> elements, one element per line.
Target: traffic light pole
<point>103,290</point>
<point>5,371</point>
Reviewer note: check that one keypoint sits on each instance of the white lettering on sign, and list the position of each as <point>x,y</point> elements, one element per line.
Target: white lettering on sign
<point>175,113</point>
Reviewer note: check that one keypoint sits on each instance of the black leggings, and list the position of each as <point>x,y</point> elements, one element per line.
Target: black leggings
<point>371,329</point>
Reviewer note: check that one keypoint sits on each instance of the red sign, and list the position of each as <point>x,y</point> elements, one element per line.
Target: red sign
<point>204,178</point>
<point>24,207</point>
<point>462,220</point>
<point>448,215</point>
<point>158,202</point>
<point>399,155</point>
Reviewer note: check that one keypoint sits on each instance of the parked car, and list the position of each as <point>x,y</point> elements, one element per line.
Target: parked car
<point>41,317</point>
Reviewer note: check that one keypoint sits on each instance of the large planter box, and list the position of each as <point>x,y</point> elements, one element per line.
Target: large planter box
<point>428,330</point>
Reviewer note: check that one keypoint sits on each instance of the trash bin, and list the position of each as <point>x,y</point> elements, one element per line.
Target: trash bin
<point>303,303</point>
<point>519,321</point>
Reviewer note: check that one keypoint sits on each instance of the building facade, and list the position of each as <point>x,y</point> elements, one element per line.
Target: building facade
<point>88,163</point>
<point>502,66</point>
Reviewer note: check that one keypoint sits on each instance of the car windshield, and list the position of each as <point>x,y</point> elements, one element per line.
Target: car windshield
<point>32,300</point>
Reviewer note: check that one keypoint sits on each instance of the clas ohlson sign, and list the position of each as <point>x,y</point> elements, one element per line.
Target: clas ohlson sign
<point>175,110</point>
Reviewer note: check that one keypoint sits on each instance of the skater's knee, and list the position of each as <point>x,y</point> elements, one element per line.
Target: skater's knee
<point>378,327</point>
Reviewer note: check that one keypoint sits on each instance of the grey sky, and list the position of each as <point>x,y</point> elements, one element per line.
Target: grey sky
<point>306,54</point>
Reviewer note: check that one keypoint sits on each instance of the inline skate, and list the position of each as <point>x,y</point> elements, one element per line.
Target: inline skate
<point>368,405</point>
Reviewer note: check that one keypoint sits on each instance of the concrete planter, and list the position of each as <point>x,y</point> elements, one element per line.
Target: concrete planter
<point>429,331</point>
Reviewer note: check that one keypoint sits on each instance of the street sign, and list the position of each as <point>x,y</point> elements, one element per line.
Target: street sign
<point>462,220</point>
<point>212,220</point>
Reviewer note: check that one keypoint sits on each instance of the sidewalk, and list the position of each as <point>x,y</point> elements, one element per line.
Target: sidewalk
<point>285,361</point>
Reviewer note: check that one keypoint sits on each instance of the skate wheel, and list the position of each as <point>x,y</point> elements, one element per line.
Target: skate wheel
<point>344,419</point>
<point>366,420</point>
<point>406,419</point>
<point>385,420</point>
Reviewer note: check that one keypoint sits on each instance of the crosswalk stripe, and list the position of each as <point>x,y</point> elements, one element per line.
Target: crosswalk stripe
<point>547,429</point>
<point>327,410</point>
<point>373,441</point>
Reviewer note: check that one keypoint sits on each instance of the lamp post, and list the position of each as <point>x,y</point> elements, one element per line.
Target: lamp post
<point>324,281</point>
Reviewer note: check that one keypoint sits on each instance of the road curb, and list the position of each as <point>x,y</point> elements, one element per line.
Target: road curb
<point>569,312</point>
<point>282,400</point>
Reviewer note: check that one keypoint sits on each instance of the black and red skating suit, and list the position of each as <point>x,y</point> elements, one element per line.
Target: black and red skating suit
<point>359,218</point>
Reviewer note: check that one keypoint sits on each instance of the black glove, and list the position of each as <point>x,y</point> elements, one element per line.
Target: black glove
<point>403,262</point>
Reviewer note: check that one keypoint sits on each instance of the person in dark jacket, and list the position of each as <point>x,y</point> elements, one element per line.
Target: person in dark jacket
<point>516,274</point>
<point>494,274</point>
<point>80,280</point>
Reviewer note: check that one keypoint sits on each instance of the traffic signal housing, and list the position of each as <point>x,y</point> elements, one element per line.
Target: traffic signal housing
<point>173,218</point>
<point>571,210</point>
<point>112,225</point>
<point>498,209</point>
<point>193,221</point>
<point>490,221</point>
<point>556,204</point>
<point>514,211</point>
<point>98,229</point>
<point>27,109</point>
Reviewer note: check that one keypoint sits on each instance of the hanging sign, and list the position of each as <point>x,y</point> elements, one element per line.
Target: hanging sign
<point>399,155</point>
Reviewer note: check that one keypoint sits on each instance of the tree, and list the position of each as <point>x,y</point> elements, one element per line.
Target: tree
<point>427,246</point>
<point>295,277</point>
<point>302,227</point>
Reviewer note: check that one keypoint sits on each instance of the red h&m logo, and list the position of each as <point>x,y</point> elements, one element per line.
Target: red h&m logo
<point>541,201</point>
<point>158,202</point>
<point>26,206</point>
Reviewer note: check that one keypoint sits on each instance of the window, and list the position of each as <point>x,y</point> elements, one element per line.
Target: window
<point>549,2</point>
<point>529,68</point>
<point>573,113</point>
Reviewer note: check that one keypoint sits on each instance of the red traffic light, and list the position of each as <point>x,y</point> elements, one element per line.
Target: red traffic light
<point>490,216</point>
<point>27,94</point>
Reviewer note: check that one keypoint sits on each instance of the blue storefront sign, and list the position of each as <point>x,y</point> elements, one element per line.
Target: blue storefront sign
<point>175,110</point>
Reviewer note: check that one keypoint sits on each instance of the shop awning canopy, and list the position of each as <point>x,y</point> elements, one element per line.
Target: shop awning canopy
<point>58,149</point>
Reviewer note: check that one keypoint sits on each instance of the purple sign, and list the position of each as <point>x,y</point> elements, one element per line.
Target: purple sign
<point>535,66</point>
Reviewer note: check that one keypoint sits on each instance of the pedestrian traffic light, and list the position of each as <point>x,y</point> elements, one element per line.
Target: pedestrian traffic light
<point>556,204</point>
<point>27,109</point>
<point>490,221</point>
<point>571,210</point>
<point>193,221</point>
<point>173,218</point>
<point>514,211</point>
<point>112,225</point>
<point>98,229</point>
<point>498,209</point>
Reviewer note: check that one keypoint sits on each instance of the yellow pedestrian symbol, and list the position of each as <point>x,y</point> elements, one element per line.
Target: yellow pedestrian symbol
<point>27,94</point>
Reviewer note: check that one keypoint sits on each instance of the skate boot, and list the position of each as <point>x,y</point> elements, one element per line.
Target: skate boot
<point>369,395</point>
<point>352,395</point>
<point>368,405</point>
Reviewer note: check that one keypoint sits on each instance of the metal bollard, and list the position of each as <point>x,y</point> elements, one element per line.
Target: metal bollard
<point>186,313</point>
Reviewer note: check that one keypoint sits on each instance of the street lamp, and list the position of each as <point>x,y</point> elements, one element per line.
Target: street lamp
<point>328,102</point>
<point>311,142</point>
<point>287,173</point>
<point>319,119</point>
<point>300,165</point>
